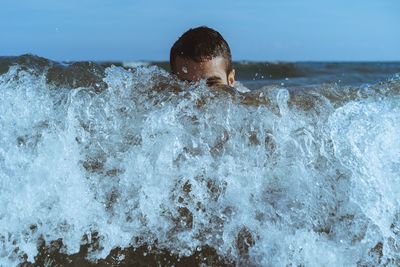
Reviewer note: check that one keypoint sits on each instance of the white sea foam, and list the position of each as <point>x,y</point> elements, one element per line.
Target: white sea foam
<point>135,64</point>
<point>313,187</point>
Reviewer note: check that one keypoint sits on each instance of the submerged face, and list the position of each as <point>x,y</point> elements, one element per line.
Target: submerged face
<point>213,70</point>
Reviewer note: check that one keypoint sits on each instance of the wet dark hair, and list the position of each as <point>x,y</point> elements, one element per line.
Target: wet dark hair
<point>200,44</point>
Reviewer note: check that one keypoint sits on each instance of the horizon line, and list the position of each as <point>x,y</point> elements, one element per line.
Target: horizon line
<point>235,60</point>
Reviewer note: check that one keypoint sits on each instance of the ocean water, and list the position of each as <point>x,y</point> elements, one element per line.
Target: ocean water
<point>110,165</point>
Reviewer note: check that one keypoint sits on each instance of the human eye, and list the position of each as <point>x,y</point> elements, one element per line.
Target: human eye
<point>214,80</point>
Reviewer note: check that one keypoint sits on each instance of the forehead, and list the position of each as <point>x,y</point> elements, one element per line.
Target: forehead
<point>189,69</point>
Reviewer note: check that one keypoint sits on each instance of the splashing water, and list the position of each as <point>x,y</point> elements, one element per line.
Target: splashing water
<point>307,177</point>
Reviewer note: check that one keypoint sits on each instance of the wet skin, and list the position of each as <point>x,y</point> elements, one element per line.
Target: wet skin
<point>212,70</point>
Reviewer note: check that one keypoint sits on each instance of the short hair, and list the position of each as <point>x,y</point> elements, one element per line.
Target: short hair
<point>200,44</point>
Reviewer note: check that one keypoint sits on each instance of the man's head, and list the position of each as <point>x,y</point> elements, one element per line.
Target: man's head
<point>202,53</point>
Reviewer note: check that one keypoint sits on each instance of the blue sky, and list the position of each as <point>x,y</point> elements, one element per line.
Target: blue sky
<point>289,30</point>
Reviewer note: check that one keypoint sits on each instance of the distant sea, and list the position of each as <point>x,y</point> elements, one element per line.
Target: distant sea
<point>255,75</point>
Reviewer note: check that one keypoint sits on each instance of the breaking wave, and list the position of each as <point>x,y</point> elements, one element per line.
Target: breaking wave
<point>107,161</point>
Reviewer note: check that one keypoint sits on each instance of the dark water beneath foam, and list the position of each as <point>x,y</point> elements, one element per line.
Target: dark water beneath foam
<point>111,166</point>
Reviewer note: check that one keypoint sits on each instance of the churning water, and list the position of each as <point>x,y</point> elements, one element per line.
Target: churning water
<point>108,157</point>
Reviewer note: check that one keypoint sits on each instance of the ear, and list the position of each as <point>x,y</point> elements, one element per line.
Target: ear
<point>231,78</point>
